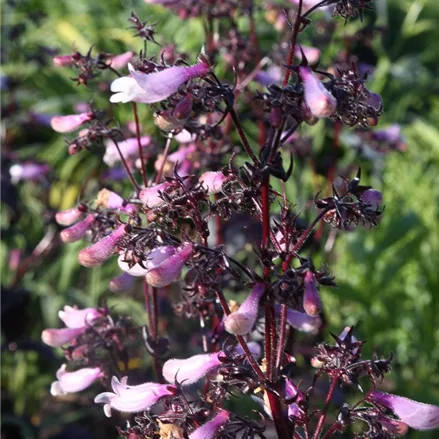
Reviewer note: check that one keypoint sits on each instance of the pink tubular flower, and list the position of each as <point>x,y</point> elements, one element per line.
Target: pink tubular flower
<point>213,181</point>
<point>78,318</point>
<point>312,54</point>
<point>319,100</point>
<point>27,171</point>
<point>129,149</point>
<point>66,124</point>
<point>69,216</point>
<point>150,196</point>
<point>372,197</point>
<point>156,257</point>
<point>303,322</point>
<point>415,414</point>
<point>163,271</point>
<point>76,232</point>
<point>63,60</point>
<point>210,429</point>
<point>96,254</point>
<point>242,321</point>
<point>110,200</point>
<point>71,382</point>
<point>121,283</point>
<point>132,399</point>
<point>160,85</point>
<point>311,298</point>
<point>59,337</point>
<point>192,369</point>
<point>120,61</point>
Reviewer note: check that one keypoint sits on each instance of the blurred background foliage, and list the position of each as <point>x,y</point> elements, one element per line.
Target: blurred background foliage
<point>388,277</point>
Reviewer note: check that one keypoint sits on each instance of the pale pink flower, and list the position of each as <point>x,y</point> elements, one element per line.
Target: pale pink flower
<point>111,200</point>
<point>213,181</point>
<point>59,337</point>
<point>76,232</point>
<point>242,321</point>
<point>71,382</point>
<point>120,61</point>
<point>190,370</point>
<point>210,429</point>
<point>312,54</point>
<point>415,414</point>
<point>311,298</point>
<point>69,216</point>
<point>150,196</point>
<point>318,99</point>
<point>63,60</point>
<point>96,254</point>
<point>66,124</point>
<point>129,149</point>
<point>78,318</point>
<point>132,399</point>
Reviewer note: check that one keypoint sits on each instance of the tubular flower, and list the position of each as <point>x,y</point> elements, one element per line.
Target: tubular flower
<point>132,399</point>
<point>110,200</point>
<point>77,318</point>
<point>415,414</point>
<point>76,232</point>
<point>66,124</point>
<point>303,322</point>
<point>319,100</point>
<point>312,54</point>
<point>372,197</point>
<point>211,428</point>
<point>59,337</point>
<point>129,149</point>
<point>311,298</point>
<point>242,321</point>
<point>27,171</point>
<point>98,253</point>
<point>213,181</point>
<point>150,196</point>
<point>192,369</point>
<point>71,382</point>
<point>63,60</point>
<point>120,61</point>
<point>121,283</point>
<point>159,85</point>
<point>163,272</point>
<point>69,216</point>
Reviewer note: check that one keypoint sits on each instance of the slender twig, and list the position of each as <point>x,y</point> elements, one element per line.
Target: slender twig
<point>283,331</point>
<point>127,169</point>
<point>164,158</point>
<point>322,418</point>
<point>139,145</point>
<point>335,427</point>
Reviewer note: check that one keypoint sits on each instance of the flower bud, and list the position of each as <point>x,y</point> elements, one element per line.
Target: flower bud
<point>76,232</point>
<point>319,100</point>
<point>63,60</point>
<point>121,283</point>
<point>190,370</point>
<point>151,195</point>
<point>213,181</point>
<point>184,108</point>
<point>242,321</point>
<point>132,399</point>
<point>110,200</point>
<point>210,429</point>
<point>166,271</point>
<point>71,382</point>
<point>66,124</point>
<point>415,414</point>
<point>69,216</point>
<point>59,337</point>
<point>77,318</point>
<point>119,61</point>
<point>375,102</point>
<point>96,254</point>
<point>372,197</point>
<point>311,298</point>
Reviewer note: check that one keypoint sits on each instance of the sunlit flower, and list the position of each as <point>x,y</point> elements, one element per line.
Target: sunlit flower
<point>66,124</point>
<point>77,318</point>
<point>59,337</point>
<point>69,216</point>
<point>210,429</point>
<point>76,232</point>
<point>111,200</point>
<point>71,382</point>
<point>213,181</point>
<point>311,298</point>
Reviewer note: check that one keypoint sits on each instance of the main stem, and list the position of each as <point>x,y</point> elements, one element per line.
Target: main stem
<point>322,418</point>
<point>139,145</point>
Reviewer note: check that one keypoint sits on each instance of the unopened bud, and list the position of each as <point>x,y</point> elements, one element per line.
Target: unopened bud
<point>151,195</point>
<point>184,108</point>
<point>66,124</point>
<point>213,181</point>
<point>69,216</point>
<point>372,197</point>
<point>242,321</point>
<point>311,298</point>
<point>76,232</point>
<point>59,337</point>
<point>98,253</point>
<point>319,100</point>
<point>110,200</point>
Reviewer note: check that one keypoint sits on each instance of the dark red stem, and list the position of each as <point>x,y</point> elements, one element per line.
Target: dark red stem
<point>127,169</point>
<point>318,430</point>
<point>139,145</point>
<point>164,158</point>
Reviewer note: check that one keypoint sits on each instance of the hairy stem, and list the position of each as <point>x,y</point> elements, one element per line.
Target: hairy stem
<point>139,145</point>
<point>127,169</point>
<point>318,430</point>
<point>165,157</point>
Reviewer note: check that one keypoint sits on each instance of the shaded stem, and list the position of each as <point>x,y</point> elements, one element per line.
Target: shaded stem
<point>139,145</point>
<point>125,164</point>
<point>242,135</point>
<point>165,157</point>
<point>283,331</point>
<point>322,418</point>
<point>278,416</point>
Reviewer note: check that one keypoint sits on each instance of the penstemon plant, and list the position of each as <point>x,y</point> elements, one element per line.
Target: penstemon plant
<point>169,232</point>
